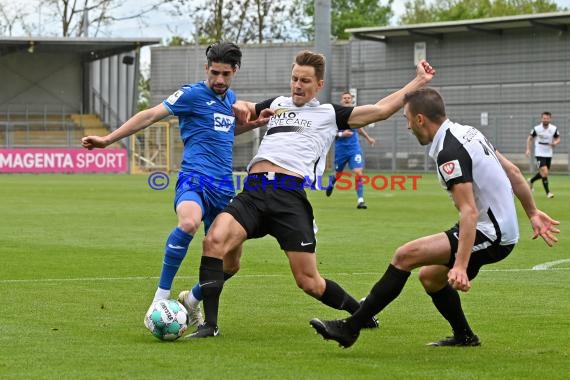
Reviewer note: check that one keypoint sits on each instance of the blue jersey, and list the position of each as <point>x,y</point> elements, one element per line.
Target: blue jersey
<point>207,127</point>
<point>347,146</point>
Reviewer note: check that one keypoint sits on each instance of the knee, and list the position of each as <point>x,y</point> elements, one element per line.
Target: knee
<point>401,258</point>
<point>189,226</point>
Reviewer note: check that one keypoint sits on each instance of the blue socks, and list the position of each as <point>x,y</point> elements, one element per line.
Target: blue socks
<point>360,190</point>
<point>174,252</point>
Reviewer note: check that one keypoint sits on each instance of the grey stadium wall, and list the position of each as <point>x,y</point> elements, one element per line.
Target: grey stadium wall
<point>497,82</point>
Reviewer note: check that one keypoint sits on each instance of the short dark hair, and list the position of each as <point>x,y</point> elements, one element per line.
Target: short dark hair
<point>224,52</point>
<point>316,60</point>
<point>547,113</point>
<point>428,102</point>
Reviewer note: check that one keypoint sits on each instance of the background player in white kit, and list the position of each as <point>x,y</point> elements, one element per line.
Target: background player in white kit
<point>546,137</point>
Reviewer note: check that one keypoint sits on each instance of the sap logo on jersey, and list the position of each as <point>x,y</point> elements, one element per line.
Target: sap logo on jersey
<point>450,170</point>
<point>223,123</point>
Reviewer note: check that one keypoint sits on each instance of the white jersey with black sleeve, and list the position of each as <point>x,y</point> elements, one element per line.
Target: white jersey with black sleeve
<point>298,138</point>
<point>463,154</point>
<point>543,138</point>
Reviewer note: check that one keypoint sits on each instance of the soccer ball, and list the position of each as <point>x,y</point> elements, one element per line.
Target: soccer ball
<point>166,319</point>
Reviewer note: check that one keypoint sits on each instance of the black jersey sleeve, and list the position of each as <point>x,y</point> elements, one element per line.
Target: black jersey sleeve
<point>454,162</point>
<point>342,114</point>
<point>263,105</point>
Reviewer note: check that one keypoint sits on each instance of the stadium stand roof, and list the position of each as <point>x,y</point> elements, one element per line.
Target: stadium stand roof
<point>90,49</point>
<point>495,25</point>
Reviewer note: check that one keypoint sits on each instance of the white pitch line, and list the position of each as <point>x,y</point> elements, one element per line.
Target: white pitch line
<point>549,265</point>
<point>140,278</point>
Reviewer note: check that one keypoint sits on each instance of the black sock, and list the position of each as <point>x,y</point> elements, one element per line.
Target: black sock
<point>211,284</point>
<point>383,292</point>
<point>448,304</point>
<point>545,184</point>
<point>337,298</point>
<point>535,178</point>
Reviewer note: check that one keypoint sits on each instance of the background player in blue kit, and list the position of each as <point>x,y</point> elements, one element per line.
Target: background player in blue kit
<point>204,186</point>
<point>347,150</point>
<point>481,183</point>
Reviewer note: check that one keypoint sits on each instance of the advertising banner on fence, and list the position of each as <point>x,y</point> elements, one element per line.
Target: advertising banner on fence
<point>63,160</point>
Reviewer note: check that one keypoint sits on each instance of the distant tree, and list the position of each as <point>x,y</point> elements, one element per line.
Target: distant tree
<point>241,21</point>
<point>418,11</point>
<point>177,41</point>
<point>12,16</point>
<point>76,15</point>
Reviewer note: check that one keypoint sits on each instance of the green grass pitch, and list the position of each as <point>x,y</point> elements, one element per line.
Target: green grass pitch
<point>80,258</point>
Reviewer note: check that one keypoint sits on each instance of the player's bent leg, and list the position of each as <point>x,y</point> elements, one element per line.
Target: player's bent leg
<point>224,236</point>
<point>191,299</point>
<point>307,277</point>
<point>189,218</point>
<point>358,173</point>
<point>304,269</point>
<point>427,250</point>
<point>448,303</point>
<point>433,277</point>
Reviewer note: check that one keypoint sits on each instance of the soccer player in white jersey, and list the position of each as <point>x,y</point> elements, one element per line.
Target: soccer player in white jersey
<point>481,183</point>
<point>546,137</point>
<point>274,202</point>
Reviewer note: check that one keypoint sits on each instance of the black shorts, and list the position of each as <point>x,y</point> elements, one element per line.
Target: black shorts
<point>484,251</point>
<point>543,161</point>
<point>276,204</point>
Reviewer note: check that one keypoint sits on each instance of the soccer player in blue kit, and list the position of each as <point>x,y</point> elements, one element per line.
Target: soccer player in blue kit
<point>205,184</point>
<point>347,150</point>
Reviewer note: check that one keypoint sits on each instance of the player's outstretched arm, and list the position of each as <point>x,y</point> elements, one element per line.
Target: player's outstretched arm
<point>542,224</point>
<point>386,107</point>
<point>139,121</point>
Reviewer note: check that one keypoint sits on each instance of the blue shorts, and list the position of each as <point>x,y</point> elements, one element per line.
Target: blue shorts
<point>212,196</point>
<point>354,159</point>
